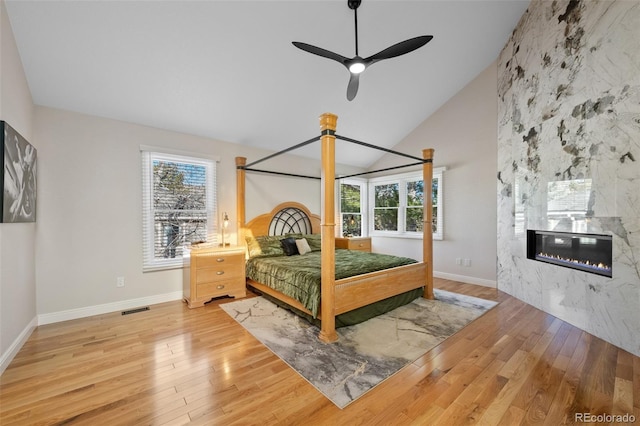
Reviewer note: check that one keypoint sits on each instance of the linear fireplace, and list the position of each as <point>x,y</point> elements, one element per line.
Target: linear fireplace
<point>584,252</point>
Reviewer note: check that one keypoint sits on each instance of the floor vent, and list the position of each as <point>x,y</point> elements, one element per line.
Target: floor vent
<point>133,311</point>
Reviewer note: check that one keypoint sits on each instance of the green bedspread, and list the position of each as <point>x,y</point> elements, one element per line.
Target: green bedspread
<point>299,276</point>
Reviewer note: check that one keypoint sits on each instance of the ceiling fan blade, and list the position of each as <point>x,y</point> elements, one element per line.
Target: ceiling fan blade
<point>320,52</point>
<point>399,49</point>
<point>352,88</point>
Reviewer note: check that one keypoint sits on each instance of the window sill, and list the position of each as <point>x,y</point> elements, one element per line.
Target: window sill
<point>157,268</point>
<point>408,236</point>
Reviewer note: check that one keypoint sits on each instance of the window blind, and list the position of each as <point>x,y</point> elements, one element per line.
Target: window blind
<point>178,206</point>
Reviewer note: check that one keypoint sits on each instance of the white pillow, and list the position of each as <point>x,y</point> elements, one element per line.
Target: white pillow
<point>303,246</point>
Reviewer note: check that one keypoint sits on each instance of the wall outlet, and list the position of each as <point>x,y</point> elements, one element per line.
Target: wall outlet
<point>458,261</point>
<point>466,262</point>
<point>120,282</point>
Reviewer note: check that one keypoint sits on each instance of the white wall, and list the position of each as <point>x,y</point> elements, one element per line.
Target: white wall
<point>463,133</point>
<point>17,240</point>
<point>89,218</point>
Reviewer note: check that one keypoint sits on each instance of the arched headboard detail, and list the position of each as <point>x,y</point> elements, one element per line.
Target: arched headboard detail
<point>290,220</point>
<point>286,218</point>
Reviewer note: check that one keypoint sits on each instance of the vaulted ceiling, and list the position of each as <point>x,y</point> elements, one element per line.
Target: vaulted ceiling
<point>227,70</point>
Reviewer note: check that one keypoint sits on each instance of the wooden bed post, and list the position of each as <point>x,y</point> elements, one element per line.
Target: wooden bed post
<point>240,198</point>
<point>327,307</point>
<point>427,234</point>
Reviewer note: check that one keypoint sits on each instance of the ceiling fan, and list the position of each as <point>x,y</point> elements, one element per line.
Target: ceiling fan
<point>357,65</point>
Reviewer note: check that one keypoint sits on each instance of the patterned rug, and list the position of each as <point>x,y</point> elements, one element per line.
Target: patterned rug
<point>365,354</point>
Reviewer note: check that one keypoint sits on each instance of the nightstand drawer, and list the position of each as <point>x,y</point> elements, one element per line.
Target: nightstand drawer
<point>356,243</point>
<point>219,273</point>
<point>220,288</point>
<point>220,260</point>
<point>360,244</point>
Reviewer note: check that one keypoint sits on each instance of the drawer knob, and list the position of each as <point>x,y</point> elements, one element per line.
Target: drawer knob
<point>360,245</point>
<point>220,259</point>
<point>220,273</point>
<point>220,287</point>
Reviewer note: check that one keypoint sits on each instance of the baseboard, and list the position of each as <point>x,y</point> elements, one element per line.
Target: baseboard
<point>466,279</point>
<point>107,307</point>
<point>13,350</point>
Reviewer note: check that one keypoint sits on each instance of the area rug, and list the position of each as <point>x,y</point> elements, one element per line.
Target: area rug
<point>365,354</point>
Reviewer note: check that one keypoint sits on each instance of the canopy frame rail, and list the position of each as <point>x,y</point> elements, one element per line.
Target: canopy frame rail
<point>284,151</point>
<point>379,148</point>
<point>384,170</point>
<point>248,167</point>
<point>271,172</point>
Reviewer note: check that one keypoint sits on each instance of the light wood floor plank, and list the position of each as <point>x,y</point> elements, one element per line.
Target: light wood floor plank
<point>173,365</point>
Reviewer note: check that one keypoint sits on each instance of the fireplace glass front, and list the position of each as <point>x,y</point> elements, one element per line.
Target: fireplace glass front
<point>584,252</point>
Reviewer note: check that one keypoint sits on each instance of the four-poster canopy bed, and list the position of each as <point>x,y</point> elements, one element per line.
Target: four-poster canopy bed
<point>337,296</point>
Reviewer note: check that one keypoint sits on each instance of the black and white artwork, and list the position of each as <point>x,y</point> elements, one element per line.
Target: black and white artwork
<point>18,203</point>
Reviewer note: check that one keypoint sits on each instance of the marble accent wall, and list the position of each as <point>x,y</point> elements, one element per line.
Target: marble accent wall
<point>569,158</point>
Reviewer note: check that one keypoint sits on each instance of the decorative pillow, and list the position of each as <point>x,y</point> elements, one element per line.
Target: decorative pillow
<point>289,246</point>
<point>315,241</point>
<point>264,246</point>
<point>303,246</point>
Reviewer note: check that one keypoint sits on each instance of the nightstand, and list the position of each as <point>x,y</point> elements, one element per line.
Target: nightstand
<point>354,243</point>
<point>213,272</point>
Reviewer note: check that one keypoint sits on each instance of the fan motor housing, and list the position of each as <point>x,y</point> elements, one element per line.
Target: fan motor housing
<point>353,4</point>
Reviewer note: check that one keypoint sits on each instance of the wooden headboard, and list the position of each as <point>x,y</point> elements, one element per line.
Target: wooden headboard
<point>286,218</point>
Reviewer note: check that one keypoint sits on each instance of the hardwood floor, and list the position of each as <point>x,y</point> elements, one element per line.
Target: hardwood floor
<point>174,365</point>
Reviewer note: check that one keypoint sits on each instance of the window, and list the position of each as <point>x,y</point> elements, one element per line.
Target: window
<point>179,200</point>
<point>386,207</point>
<point>352,204</point>
<point>397,202</point>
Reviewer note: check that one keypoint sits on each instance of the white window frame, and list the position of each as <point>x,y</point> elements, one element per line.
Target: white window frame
<point>402,180</point>
<point>438,173</point>
<point>362,183</point>
<point>148,156</point>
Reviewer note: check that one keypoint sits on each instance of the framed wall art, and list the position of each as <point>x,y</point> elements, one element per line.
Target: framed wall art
<point>18,181</point>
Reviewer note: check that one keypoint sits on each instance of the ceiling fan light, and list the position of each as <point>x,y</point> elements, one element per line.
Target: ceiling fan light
<point>357,67</point>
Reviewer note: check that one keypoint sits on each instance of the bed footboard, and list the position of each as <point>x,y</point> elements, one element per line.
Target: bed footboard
<point>354,292</point>
<point>360,290</point>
